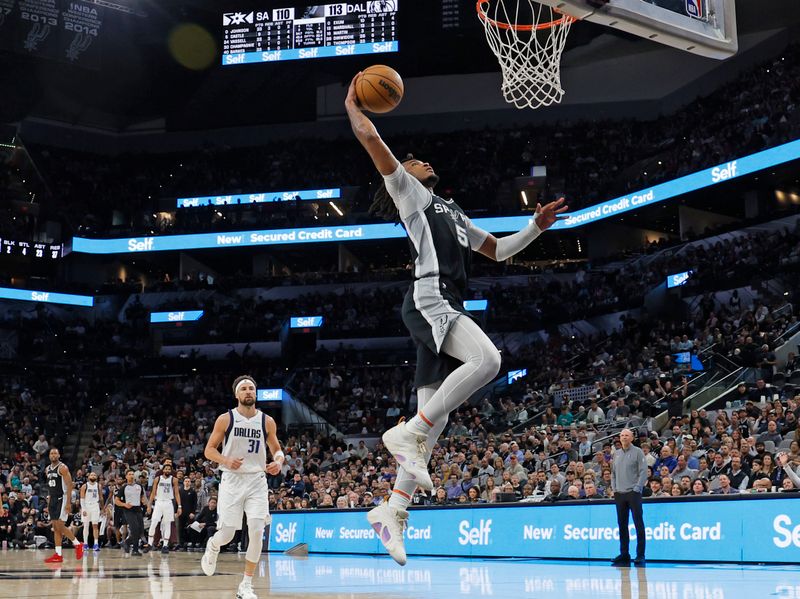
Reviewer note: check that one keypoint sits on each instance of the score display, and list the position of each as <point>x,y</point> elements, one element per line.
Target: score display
<point>321,31</point>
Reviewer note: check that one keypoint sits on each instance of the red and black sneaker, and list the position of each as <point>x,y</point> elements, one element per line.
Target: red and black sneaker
<point>79,551</point>
<point>54,559</point>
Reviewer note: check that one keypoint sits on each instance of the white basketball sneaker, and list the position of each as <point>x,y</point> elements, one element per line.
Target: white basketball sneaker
<point>245,591</point>
<point>410,452</point>
<point>390,524</point>
<point>209,561</point>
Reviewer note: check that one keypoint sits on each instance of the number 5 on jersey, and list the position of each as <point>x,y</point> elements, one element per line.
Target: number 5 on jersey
<point>461,233</point>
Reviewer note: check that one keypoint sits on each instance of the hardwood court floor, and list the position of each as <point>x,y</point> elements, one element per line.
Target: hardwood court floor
<point>178,576</point>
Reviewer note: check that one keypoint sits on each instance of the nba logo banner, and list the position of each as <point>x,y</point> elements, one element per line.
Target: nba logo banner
<point>695,9</point>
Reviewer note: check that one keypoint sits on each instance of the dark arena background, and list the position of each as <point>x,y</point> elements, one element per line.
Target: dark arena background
<point>184,199</point>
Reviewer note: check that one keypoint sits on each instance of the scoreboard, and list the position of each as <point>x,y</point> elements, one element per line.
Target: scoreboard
<point>30,249</point>
<point>320,31</point>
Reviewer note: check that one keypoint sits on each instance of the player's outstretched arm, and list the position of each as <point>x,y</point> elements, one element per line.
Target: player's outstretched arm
<point>274,467</point>
<point>367,134</point>
<point>502,248</point>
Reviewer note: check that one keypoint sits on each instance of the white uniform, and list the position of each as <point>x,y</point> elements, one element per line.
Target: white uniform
<point>91,502</point>
<point>244,490</point>
<point>163,508</point>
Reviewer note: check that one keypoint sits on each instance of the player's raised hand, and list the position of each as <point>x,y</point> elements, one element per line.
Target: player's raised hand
<point>235,463</point>
<point>273,468</point>
<point>548,214</point>
<point>351,101</point>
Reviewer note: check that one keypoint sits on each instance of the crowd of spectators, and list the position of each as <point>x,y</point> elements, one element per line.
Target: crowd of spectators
<point>479,459</point>
<point>534,444</point>
<point>532,441</point>
<point>586,161</point>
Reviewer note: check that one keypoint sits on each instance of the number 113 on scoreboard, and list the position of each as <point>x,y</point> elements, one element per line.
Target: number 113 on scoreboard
<point>335,10</point>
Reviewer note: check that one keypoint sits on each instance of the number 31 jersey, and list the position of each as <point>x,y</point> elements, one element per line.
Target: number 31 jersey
<point>246,438</point>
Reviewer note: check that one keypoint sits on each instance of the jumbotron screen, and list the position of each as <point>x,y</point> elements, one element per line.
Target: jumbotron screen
<point>319,31</point>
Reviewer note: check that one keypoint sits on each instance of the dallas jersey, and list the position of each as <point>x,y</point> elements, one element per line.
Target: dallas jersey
<point>92,496</point>
<point>246,438</point>
<point>442,240</point>
<point>91,502</point>
<point>164,489</point>
<point>163,510</point>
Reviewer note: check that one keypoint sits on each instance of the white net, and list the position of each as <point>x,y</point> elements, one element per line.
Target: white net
<point>528,39</point>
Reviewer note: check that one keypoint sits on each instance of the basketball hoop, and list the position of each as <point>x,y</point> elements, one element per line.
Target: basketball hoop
<point>528,39</point>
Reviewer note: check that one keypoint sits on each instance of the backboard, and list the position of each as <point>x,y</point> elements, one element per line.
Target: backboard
<point>704,27</point>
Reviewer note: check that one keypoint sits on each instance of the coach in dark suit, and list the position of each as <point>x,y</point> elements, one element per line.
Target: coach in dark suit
<point>628,477</point>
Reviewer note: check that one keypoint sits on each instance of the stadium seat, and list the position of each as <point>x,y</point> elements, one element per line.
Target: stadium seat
<point>794,378</point>
<point>779,380</point>
<point>769,446</point>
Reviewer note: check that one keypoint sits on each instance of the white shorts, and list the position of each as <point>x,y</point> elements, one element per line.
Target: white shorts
<point>241,494</point>
<point>92,514</point>
<point>163,511</point>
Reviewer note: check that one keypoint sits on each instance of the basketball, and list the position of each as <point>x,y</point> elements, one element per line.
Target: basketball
<point>379,89</point>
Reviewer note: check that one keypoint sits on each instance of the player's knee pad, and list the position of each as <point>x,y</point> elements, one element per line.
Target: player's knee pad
<point>255,528</point>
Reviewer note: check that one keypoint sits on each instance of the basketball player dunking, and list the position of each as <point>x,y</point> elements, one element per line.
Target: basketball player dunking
<point>244,434</point>
<point>165,487</point>
<point>59,487</point>
<point>455,358</point>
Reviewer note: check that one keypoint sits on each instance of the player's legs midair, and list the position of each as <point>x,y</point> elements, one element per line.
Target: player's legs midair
<point>480,359</point>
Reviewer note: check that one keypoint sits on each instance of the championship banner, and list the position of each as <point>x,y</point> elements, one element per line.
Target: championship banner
<point>64,30</point>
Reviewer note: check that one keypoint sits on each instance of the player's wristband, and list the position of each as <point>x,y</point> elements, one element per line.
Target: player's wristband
<point>279,457</point>
<point>180,507</point>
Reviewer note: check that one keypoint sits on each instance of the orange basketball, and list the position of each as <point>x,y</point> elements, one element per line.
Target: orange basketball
<point>379,89</point>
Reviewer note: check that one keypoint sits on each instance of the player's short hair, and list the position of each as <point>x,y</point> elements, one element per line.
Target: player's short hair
<point>239,379</point>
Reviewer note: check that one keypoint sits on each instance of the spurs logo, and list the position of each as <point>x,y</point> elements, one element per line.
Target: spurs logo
<point>79,45</point>
<point>37,34</point>
<point>236,18</point>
